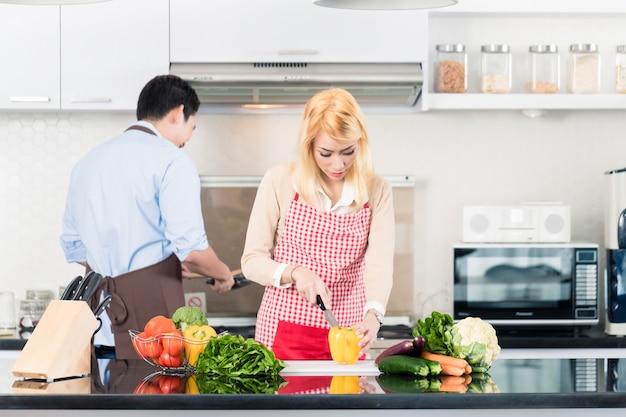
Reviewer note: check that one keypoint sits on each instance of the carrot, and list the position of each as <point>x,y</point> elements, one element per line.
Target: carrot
<point>468,369</point>
<point>468,379</point>
<point>452,370</point>
<point>452,379</point>
<point>445,359</point>
<point>453,388</point>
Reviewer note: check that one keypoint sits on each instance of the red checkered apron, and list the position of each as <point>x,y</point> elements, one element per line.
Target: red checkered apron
<point>333,246</point>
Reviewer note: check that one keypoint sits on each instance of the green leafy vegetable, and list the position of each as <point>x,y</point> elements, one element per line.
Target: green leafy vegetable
<point>236,356</point>
<point>221,384</point>
<point>438,332</point>
<point>472,339</point>
<point>187,316</point>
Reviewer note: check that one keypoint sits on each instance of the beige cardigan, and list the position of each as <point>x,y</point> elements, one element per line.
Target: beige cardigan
<point>266,224</point>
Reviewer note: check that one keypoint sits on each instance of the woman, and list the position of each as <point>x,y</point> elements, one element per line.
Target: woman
<point>322,225</point>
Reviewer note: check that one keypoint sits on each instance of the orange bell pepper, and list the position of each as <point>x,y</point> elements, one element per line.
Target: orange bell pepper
<point>344,345</point>
<point>345,384</point>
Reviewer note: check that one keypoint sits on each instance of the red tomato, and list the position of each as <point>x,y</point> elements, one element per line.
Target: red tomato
<point>172,343</point>
<point>148,387</point>
<point>170,361</point>
<point>171,384</point>
<point>159,324</point>
<point>146,346</point>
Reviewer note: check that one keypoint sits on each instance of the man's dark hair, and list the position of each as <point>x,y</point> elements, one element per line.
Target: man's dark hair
<point>164,93</point>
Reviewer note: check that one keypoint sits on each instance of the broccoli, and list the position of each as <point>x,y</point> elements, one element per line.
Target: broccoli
<point>186,316</point>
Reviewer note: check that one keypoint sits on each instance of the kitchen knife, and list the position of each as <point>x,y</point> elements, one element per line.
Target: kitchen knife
<point>327,313</point>
<point>81,287</point>
<point>240,281</point>
<point>91,286</point>
<point>68,293</point>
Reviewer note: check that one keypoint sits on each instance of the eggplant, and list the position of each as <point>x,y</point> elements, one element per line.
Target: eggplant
<point>406,347</point>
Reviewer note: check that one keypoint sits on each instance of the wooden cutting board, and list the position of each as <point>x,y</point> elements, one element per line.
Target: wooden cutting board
<point>361,368</point>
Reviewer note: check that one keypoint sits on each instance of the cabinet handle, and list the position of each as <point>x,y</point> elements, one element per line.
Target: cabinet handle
<point>29,99</point>
<point>90,100</point>
<point>297,52</point>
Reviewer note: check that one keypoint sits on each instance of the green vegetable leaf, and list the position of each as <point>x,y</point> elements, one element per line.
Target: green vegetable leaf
<point>438,332</point>
<point>222,384</point>
<point>236,356</point>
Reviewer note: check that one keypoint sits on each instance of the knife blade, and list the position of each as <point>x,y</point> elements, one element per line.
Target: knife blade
<point>240,281</point>
<point>327,313</point>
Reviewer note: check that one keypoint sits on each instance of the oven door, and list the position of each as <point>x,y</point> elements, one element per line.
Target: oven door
<point>513,285</point>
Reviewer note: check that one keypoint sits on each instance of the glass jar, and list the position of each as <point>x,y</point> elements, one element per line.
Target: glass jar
<point>451,69</point>
<point>31,311</point>
<point>620,69</point>
<point>44,295</point>
<point>544,68</point>
<point>495,69</point>
<point>583,69</point>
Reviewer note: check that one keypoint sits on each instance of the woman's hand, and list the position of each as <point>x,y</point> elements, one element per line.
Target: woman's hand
<point>309,285</point>
<point>368,328</point>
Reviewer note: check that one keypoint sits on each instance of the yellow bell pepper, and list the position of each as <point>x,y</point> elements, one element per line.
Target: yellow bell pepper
<point>344,345</point>
<point>191,385</point>
<point>195,339</point>
<point>344,384</point>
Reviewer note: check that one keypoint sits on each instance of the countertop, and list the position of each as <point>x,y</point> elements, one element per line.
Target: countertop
<point>519,379</point>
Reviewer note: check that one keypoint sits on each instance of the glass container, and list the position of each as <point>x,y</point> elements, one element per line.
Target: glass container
<point>544,68</point>
<point>583,69</point>
<point>495,68</point>
<point>451,69</point>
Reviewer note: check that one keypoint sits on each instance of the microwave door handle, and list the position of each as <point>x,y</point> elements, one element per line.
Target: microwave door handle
<point>621,230</point>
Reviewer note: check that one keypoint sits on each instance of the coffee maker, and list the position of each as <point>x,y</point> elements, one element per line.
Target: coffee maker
<point>615,242</point>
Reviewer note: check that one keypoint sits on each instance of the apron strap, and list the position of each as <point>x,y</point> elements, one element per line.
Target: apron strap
<point>142,128</point>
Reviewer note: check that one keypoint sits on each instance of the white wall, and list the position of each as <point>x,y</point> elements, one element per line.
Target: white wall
<point>457,158</point>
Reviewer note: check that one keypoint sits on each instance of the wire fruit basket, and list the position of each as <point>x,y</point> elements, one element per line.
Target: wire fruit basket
<point>168,351</point>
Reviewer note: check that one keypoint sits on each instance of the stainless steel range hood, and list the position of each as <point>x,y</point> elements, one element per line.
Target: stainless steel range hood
<point>292,84</point>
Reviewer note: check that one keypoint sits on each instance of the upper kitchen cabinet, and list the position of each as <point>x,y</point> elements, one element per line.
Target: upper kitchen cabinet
<point>110,50</point>
<point>29,47</point>
<point>292,31</point>
<point>519,25</point>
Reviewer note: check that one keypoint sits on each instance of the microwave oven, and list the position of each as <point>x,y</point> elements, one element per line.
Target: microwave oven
<point>516,285</point>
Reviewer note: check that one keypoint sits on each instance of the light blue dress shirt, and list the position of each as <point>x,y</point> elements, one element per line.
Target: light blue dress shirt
<point>132,202</point>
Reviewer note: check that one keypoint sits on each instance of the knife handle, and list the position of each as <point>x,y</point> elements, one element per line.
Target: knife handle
<point>320,303</point>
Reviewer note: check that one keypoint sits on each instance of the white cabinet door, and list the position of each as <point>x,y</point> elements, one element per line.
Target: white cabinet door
<point>293,31</point>
<point>29,47</point>
<point>110,50</point>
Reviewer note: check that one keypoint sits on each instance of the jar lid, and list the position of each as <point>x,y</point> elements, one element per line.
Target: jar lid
<point>450,47</point>
<point>620,49</point>
<point>583,47</point>
<point>495,48</point>
<point>543,49</point>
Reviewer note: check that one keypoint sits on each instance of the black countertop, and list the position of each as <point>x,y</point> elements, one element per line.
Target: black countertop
<point>529,383</point>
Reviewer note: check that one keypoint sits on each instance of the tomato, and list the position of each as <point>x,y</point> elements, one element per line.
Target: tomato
<point>159,324</point>
<point>172,343</point>
<point>146,346</point>
<point>148,387</point>
<point>171,384</point>
<point>169,361</point>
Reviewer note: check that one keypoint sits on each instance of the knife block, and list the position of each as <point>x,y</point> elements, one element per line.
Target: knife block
<point>60,345</point>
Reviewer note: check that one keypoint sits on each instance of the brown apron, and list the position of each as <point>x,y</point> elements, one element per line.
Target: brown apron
<point>138,296</point>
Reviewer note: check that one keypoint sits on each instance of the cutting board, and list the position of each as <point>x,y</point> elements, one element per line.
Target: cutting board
<point>361,368</point>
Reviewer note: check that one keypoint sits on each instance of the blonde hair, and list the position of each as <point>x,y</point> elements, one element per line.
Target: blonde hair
<point>335,112</point>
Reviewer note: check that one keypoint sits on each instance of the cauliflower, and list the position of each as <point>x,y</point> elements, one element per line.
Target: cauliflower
<point>471,339</point>
<point>475,340</point>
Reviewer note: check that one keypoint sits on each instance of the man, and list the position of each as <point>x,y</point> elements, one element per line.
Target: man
<point>133,213</point>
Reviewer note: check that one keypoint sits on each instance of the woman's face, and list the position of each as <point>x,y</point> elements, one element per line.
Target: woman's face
<point>334,158</point>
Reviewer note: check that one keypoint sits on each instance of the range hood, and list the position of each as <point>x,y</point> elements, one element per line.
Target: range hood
<point>275,84</point>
